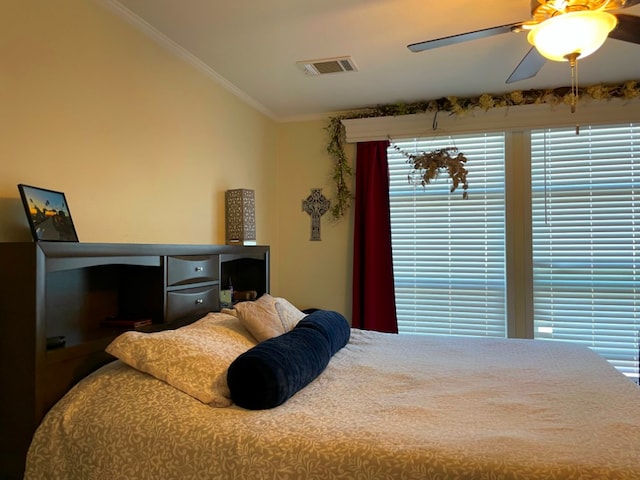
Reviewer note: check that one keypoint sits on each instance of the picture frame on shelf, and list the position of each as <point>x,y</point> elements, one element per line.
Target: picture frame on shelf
<point>48,214</point>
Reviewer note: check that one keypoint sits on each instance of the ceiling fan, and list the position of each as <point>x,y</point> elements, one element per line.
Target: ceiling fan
<point>560,30</point>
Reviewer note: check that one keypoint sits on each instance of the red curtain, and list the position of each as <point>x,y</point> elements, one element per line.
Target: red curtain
<point>374,303</point>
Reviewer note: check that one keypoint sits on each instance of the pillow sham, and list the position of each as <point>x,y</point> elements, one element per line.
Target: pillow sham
<point>288,313</point>
<point>260,317</point>
<point>193,359</point>
<point>268,316</point>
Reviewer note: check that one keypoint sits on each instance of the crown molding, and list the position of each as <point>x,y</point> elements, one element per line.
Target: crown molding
<point>180,52</point>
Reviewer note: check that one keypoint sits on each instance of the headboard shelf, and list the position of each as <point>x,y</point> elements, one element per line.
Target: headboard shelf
<point>78,348</point>
<point>68,289</point>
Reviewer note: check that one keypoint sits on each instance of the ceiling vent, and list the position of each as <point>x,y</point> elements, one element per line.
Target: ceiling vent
<point>328,65</point>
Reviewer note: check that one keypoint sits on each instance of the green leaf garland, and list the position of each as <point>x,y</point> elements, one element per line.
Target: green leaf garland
<point>342,171</point>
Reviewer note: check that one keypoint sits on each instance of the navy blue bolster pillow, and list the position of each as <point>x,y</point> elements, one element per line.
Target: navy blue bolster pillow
<point>332,325</point>
<point>270,373</point>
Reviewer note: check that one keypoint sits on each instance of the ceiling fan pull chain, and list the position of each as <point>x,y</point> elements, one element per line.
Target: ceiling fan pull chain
<point>573,63</point>
<point>575,86</point>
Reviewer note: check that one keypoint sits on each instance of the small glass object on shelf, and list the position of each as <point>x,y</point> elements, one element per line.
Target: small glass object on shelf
<point>226,296</point>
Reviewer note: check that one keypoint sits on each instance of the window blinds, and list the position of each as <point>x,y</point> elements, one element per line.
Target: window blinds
<point>586,239</point>
<point>449,253</point>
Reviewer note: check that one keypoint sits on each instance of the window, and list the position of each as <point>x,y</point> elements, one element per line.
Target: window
<point>583,212</point>
<point>586,239</point>
<point>449,265</point>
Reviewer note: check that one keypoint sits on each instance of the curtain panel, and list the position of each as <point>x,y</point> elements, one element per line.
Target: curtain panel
<point>374,306</point>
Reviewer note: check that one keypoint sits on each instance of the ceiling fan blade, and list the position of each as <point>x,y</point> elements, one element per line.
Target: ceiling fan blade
<point>528,67</point>
<point>628,28</point>
<point>630,3</point>
<point>463,37</point>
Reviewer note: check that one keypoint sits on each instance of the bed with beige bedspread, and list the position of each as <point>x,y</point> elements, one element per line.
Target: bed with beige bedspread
<point>386,407</point>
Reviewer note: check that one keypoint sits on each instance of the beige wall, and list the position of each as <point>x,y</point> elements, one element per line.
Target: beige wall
<point>144,146</point>
<point>313,273</point>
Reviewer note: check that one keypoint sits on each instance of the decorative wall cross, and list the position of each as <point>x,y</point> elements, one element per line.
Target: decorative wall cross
<point>316,205</point>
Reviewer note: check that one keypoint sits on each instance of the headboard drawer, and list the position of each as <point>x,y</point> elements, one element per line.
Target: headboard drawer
<point>183,270</point>
<point>191,302</point>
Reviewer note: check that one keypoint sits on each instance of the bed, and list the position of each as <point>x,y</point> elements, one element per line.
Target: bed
<point>384,406</point>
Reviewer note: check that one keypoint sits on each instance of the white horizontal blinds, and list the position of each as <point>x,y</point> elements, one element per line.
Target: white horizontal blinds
<point>449,253</point>
<point>586,239</point>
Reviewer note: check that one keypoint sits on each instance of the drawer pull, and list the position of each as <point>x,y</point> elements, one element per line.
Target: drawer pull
<point>199,301</point>
<point>199,269</point>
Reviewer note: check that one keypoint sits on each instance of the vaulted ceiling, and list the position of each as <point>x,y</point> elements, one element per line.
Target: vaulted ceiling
<point>253,46</point>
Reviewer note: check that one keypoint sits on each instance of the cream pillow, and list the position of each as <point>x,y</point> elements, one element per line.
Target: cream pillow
<point>268,316</point>
<point>260,317</point>
<point>194,359</point>
<point>288,313</point>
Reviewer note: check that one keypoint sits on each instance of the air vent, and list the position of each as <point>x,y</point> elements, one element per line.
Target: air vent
<point>328,65</point>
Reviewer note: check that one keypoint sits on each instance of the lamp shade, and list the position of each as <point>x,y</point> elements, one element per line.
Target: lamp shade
<point>581,32</point>
<point>240,217</point>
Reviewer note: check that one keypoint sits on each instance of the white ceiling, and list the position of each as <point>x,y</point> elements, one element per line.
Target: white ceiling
<point>252,47</point>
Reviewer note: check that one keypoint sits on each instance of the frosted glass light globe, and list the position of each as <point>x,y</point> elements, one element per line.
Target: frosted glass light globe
<point>581,32</point>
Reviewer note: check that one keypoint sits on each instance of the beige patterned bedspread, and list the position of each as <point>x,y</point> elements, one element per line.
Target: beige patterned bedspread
<point>387,407</point>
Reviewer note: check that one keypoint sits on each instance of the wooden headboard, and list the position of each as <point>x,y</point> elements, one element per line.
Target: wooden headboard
<point>55,300</point>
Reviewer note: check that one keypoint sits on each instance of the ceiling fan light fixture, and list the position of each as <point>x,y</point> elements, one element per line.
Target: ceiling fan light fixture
<point>582,32</point>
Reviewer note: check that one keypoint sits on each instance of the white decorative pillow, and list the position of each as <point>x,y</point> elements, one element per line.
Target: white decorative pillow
<point>268,316</point>
<point>260,317</point>
<point>288,313</point>
<point>194,358</point>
